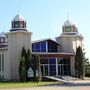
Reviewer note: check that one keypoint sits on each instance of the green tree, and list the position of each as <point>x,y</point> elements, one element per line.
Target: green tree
<point>36,67</point>
<point>27,62</point>
<point>22,70</point>
<point>79,63</point>
<point>24,64</point>
<point>23,53</point>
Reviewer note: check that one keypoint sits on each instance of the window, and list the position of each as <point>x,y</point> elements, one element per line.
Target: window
<point>52,61</point>
<point>33,48</point>
<point>37,47</point>
<point>60,61</point>
<point>43,46</point>
<point>68,61</point>
<point>2,62</point>
<point>52,47</point>
<point>2,77</point>
<point>17,24</point>
<point>52,70</point>
<point>1,39</point>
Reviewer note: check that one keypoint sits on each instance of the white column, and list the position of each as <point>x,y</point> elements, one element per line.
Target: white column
<point>56,68</point>
<point>72,65</point>
<point>48,68</point>
<point>46,46</point>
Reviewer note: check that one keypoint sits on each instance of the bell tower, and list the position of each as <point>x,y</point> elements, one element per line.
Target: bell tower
<point>18,37</point>
<point>70,37</point>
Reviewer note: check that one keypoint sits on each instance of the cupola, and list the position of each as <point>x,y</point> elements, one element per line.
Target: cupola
<point>69,27</point>
<point>18,23</point>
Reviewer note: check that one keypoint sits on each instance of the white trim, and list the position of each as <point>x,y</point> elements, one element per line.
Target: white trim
<point>46,46</point>
<point>55,53</point>
<point>77,35</point>
<point>19,31</point>
<point>19,28</point>
<point>40,40</point>
<point>56,68</point>
<point>46,40</point>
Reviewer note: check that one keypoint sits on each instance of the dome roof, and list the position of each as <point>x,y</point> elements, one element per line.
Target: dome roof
<point>18,18</point>
<point>2,34</point>
<point>68,23</point>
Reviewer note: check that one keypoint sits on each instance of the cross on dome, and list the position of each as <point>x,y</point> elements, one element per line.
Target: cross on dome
<point>68,23</point>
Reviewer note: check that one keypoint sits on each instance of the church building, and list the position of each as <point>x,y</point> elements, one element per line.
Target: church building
<point>57,57</point>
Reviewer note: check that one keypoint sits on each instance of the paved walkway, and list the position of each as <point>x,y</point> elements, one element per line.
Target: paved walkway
<point>53,88</point>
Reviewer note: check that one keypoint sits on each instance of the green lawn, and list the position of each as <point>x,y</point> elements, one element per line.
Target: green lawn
<point>5,85</point>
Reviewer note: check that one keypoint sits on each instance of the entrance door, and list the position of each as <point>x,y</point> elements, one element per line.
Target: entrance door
<point>44,70</point>
<point>60,70</point>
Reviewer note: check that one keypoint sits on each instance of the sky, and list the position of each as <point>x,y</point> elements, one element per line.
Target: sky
<point>46,17</point>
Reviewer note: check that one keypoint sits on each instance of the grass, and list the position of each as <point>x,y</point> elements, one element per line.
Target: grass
<point>4,85</point>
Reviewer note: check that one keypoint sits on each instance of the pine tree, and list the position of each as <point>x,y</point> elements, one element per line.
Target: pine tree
<point>23,53</point>
<point>79,63</point>
<point>27,62</point>
<point>38,67</point>
<point>22,70</point>
<point>24,65</point>
<point>34,66</point>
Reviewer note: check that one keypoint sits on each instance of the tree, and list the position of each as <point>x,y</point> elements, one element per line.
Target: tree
<point>27,62</point>
<point>22,70</point>
<point>23,53</point>
<point>36,67</point>
<point>24,64</point>
<point>79,63</point>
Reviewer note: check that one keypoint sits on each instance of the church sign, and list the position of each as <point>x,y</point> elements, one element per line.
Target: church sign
<point>30,72</point>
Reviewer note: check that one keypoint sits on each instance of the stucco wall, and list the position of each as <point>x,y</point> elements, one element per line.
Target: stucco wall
<point>69,43</point>
<point>16,41</point>
<point>6,71</point>
<point>72,65</point>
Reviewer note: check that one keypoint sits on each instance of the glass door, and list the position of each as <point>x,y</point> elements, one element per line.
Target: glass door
<point>60,70</point>
<point>44,70</point>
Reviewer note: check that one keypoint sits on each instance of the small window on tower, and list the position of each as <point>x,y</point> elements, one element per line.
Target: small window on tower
<point>21,25</point>
<point>17,24</point>
<point>1,39</point>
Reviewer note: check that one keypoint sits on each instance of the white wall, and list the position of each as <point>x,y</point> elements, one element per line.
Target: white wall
<point>6,71</point>
<point>66,43</point>
<point>69,43</point>
<point>16,41</point>
<point>72,65</point>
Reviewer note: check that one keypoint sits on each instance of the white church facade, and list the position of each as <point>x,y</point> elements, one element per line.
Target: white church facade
<point>50,51</point>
